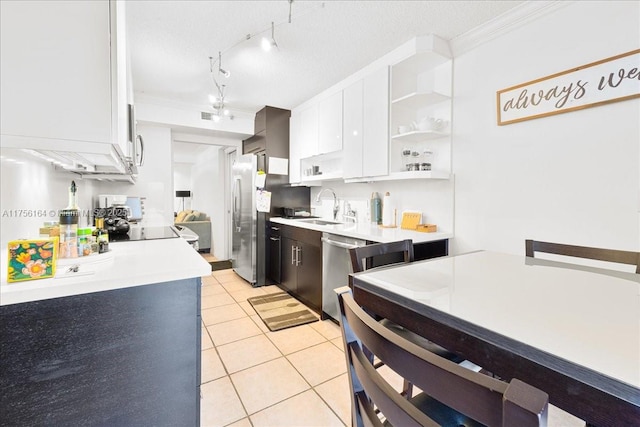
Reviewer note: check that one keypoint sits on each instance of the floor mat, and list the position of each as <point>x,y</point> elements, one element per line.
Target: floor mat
<point>280,311</point>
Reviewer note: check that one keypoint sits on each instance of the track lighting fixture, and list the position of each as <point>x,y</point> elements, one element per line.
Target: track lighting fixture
<point>218,101</point>
<point>220,70</point>
<point>268,44</point>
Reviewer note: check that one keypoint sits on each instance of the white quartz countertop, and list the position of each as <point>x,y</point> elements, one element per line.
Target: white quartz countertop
<point>367,231</point>
<point>127,264</point>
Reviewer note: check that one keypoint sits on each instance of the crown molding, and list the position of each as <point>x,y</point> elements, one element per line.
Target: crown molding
<point>504,23</point>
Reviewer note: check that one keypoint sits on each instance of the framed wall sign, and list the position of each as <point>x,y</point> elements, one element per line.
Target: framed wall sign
<point>609,80</point>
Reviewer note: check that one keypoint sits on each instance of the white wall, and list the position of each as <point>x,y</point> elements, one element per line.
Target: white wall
<point>32,193</point>
<point>155,179</point>
<point>207,183</point>
<point>570,178</point>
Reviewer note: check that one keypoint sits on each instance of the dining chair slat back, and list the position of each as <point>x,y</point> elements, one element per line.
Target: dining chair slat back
<point>359,257</point>
<point>360,254</point>
<point>452,395</point>
<point>599,254</point>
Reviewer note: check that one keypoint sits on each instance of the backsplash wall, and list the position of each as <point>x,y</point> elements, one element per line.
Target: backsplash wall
<point>434,198</point>
<point>33,192</point>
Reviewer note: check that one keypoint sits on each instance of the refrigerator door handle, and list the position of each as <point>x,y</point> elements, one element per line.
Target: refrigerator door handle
<point>236,205</point>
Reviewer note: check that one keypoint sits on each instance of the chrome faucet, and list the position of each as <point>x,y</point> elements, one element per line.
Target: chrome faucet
<point>336,205</point>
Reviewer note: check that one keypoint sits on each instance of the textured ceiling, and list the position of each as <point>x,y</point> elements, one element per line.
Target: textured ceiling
<point>171,42</point>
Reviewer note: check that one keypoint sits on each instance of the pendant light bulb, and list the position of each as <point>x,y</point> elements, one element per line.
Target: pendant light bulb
<point>268,44</point>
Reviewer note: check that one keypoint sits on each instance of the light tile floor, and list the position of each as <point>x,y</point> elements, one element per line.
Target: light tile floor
<point>254,377</point>
<point>294,377</point>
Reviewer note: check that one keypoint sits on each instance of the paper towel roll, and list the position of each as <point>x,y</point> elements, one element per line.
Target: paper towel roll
<point>387,210</point>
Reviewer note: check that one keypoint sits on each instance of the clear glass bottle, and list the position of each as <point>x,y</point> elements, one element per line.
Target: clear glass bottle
<point>69,233</point>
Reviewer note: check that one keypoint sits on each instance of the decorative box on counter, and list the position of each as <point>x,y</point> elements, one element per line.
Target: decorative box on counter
<point>427,228</point>
<point>32,259</point>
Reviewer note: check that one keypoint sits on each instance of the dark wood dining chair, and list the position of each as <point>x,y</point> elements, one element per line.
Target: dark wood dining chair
<point>404,248</point>
<point>609,255</point>
<point>451,396</point>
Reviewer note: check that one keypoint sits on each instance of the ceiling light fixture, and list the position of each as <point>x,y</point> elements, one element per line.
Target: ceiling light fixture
<point>268,44</point>
<point>217,101</point>
<point>225,73</point>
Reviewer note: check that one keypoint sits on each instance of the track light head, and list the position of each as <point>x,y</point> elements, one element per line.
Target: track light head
<point>268,44</point>
<point>224,72</point>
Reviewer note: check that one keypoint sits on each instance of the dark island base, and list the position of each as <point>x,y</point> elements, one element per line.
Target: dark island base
<point>122,357</point>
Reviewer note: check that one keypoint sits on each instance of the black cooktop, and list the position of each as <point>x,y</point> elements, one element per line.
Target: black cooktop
<point>145,233</point>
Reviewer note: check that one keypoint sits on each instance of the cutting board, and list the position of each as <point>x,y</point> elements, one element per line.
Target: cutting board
<point>410,220</point>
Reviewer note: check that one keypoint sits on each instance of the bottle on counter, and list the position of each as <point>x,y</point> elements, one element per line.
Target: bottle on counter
<point>69,233</point>
<point>102,236</point>
<point>376,208</point>
<point>93,241</point>
<point>387,211</point>
<point>69,225</point>
<point>84,241</point>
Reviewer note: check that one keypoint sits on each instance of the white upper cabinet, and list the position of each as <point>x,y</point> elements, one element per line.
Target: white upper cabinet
<point>303,139</point>
<point>56,70</point>
<point>330,124</point>
<point>366,126</point>
<point>375,151</point>
<point>64,79</point>
<point>352,127</point>
<point>309,131</point>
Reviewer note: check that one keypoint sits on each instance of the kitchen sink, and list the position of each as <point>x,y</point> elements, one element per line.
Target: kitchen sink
<point>319,221</point>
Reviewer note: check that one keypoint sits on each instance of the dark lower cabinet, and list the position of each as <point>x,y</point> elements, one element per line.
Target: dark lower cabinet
<point>274,266</point>
<point>127,357</point>
<point>288,268</point>
<point>301,264</point>
<point>309,270</point>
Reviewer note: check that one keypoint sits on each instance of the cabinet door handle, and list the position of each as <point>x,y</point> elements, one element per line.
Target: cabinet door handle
<point>293,260</point>
<point>298,252</point>
<point>274,239</point>
<point>275,228</point>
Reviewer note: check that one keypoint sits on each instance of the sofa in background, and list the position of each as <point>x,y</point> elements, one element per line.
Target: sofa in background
<point>199,223</point>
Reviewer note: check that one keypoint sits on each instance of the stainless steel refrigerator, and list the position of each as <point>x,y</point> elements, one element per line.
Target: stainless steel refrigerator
<point>244,217</point>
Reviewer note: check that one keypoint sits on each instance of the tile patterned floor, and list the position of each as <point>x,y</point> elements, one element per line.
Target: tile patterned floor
<point>293,377</point>
<point>254,377</point>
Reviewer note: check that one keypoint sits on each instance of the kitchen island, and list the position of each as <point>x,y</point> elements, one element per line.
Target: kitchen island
<point>118,344</point>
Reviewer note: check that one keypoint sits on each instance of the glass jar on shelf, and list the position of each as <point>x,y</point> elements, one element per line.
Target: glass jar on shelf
<point>427,160</point>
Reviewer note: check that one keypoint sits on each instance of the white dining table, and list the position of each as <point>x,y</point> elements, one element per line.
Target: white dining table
<point>571,330</point>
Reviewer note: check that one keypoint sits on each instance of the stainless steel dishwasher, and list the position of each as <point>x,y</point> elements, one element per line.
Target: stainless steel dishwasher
<point>336,267</point>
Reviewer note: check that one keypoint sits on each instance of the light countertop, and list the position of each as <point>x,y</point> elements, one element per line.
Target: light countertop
<point>127,264</point>
<point>367,231</point>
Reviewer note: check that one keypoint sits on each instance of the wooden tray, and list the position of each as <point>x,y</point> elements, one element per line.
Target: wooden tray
<point>427,228</point>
